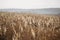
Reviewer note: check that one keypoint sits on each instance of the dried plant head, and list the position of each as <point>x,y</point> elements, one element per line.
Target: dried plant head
<point>18,26</point>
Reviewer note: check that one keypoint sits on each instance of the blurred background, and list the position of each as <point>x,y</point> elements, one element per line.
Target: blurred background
<point>33,6</point>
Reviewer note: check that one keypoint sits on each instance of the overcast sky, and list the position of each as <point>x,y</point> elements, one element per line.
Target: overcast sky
<point>29,4</point>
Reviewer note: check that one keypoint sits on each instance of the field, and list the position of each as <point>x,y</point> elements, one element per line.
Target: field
<point>18,26</point>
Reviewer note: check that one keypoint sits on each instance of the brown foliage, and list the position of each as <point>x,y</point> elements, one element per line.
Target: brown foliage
<point>15,26</point>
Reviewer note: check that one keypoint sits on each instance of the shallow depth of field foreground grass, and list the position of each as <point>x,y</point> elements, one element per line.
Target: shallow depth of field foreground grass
<point>15,26</point>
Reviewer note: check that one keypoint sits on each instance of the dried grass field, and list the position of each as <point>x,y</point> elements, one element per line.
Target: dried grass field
<point>15,26</point>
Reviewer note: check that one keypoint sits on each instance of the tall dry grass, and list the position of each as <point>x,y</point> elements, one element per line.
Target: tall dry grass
<point>15,26</point>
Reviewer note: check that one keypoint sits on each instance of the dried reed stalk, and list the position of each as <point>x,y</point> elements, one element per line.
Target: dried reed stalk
<point>15,26</point>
